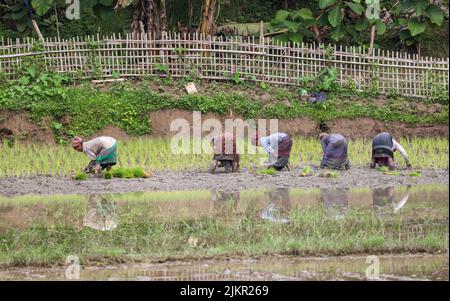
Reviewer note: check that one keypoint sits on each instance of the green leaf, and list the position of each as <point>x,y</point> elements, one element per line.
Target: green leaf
<point>416,27</point>
<point>338,33</point>
<point>404,34</point>
<point>42,6</point>
<point>420,6</point>
<point>18,15</point>
<point>335,16</point>
<point>435,14</point>
<point>282,37</point>
<point>381,27</point>
<point>292,26</point>
<point>361,25</point>
<point>326,3</point>
<point>281,15</point>
<point>305,13</point>
<point>306,33</point>
<point>322,21</point>
<point>356,8</point>
<point>296,37</point>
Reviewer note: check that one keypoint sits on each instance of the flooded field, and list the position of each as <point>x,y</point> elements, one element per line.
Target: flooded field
<point>309,234</point>
<point>391,267</point>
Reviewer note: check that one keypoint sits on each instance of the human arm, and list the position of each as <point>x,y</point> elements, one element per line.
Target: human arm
<point>402,151</point>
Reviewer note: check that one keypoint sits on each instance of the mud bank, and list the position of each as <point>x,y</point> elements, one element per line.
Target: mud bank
<point>190,180</point>
<point>24,129</point>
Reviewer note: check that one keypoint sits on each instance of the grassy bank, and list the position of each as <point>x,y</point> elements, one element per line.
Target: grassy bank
<point>149,228</point>
<point>155,154</point>
<point>83,110</point>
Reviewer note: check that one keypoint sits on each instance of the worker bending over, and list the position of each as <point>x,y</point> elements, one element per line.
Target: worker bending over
<point>225,153</point>
<point>335,154</point>
<point>278,146</point>
<point>383,148</point>
<point>101,150</point>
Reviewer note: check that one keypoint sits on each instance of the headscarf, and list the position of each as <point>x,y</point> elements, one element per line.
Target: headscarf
<point>76,141</point>
<point>322,135</point>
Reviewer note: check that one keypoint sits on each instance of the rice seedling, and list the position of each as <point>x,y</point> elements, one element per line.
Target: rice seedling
<point>306,172</point>
<point>138,172</point>
<point>268,171</point>
<point>80,176</point>
<point>415,174</point>
<point>329,174</point>
<point>108,175</point>
<point>383,169</point>
<point>28,159</point>
<point>391,173</point>
<point>118,172</point>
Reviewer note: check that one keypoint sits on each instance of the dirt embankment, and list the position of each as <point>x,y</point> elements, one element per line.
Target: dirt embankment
<point>191,180</point>
<point>23,129</point>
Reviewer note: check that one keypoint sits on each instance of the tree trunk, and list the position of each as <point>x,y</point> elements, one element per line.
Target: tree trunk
<point>207,25</point>
<point>372,39</point>
<point>163,14</point>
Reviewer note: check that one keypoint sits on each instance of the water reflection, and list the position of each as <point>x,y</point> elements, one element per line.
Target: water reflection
<point>278,209</point>
<point>335,202</point>
<point>221,198</point>
<point>102,215</point>
<point>384,203</point>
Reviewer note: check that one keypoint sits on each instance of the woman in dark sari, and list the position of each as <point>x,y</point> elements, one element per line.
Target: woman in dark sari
<point>334,151</point>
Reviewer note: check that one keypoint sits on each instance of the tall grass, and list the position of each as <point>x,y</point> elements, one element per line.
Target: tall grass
<point>155,154</point>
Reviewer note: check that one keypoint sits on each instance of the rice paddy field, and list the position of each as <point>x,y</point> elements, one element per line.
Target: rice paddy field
<point>154,154</point>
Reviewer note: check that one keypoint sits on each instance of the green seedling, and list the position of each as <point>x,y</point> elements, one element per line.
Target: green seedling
<point>138,172</point>
<point>81,176</point>
<point>108,175</point>
<point>269,171</point>
<point>391,173</point>
<point>415,174</point>
<point>307,171</point>
<point>118,172</point>
<point>329,174</point>
<point>383,168</point>
<point>128,174</point>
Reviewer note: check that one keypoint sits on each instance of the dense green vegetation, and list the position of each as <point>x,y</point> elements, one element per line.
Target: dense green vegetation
<point>401,25</point>
<point>71,109</point>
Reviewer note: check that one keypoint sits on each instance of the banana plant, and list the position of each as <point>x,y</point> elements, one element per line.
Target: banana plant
<point>354,21</point>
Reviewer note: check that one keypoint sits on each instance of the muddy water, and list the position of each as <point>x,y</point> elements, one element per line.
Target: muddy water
<point>107,212</point>
<point>404,267</point>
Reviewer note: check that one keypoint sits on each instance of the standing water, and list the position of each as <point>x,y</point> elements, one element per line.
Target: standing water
<point>311,234</point>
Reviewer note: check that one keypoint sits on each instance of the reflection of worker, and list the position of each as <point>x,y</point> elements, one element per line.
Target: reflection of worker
<point>225,151</point>
<point>101,150</point>
<point>334,151</point>
<point>384,203</point>
<point>335,202</point>
<point>221,197</point>
<point>383,148</point>
<point>280,204</point>
<point>102,216</point>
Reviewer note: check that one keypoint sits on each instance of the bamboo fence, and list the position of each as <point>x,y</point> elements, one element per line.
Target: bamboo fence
<point>216,58</point>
